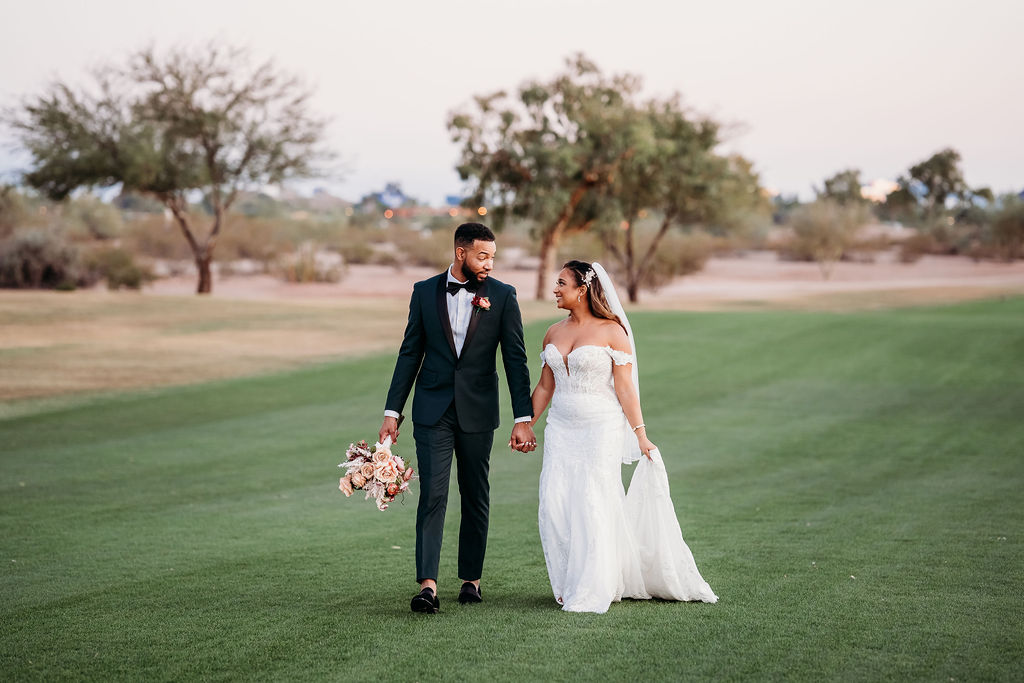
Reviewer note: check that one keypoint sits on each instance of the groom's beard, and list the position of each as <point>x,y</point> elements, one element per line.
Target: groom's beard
<point>472,278</point>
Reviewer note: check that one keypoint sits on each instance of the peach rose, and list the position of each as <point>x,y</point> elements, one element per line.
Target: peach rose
<point>385,472</point>
<point>366,470</point>
<point>381,455</point>
<point>345,485</point>
<point>358,480</point>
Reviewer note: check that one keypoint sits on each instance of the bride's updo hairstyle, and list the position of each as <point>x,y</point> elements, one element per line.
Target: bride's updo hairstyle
<point>595,292</point>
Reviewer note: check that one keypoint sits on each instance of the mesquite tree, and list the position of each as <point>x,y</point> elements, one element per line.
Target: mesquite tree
<point>580,152</point>
<point>549,152</point>
<point>677,174</point>
<point>170,125</point>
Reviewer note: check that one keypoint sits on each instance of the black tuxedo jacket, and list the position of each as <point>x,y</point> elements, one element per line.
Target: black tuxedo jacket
<point>427,358</point>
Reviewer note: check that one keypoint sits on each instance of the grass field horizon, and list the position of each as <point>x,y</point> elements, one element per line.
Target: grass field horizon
<point>848,483</point>
<point>60,349</point>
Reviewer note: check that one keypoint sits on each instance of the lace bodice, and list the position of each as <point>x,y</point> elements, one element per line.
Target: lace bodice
<point>586,369</point>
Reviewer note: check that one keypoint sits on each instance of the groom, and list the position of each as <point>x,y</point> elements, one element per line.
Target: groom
<point>457,320</point>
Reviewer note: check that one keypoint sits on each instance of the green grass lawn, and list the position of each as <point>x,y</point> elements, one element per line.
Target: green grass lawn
<point>850,485</point>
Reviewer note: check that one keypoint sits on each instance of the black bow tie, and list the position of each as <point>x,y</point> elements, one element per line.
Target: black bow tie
<point>454,287</point>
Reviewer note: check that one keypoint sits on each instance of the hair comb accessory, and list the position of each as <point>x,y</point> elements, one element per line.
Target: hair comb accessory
<point>588,276</point>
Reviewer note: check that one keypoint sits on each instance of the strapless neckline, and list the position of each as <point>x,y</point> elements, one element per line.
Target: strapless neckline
<point>565,357</point>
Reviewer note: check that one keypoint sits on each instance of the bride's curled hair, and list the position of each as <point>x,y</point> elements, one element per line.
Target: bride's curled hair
<point>595,292</point>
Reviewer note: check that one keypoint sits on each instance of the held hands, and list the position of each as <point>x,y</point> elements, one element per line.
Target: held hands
<point>389,428</point>
<point>523,438</point>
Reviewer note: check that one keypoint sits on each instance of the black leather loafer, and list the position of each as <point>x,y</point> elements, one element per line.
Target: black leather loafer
<point>469,594</point>
<point>426,602</point>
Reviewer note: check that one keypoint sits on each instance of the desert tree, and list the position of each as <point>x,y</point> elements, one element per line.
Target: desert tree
<point>934,191</point>
<point>549,151</point>
<point>677,173</point>
<point>207,121</point>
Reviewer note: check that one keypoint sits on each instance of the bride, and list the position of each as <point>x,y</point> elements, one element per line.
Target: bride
<point>601,545</point>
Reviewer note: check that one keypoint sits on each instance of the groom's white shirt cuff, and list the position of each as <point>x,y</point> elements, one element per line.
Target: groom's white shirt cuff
<point>391,413</point>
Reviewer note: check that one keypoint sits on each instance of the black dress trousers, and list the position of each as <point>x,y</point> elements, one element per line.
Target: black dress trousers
<point>435,445</point>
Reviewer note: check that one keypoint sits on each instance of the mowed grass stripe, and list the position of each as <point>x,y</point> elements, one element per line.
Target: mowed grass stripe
<point>849,484</point>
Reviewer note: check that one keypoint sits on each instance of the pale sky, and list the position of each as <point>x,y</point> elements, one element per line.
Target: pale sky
<point>815,86</point>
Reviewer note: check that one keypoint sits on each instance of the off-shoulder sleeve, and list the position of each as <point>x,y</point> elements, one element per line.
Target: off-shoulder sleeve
<point>619,357</point>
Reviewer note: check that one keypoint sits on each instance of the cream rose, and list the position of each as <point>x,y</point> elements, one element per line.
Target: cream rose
<point>366,470</point>
<point>385,472</point>
<point>345,485</point>
<point>358,480</point>
<point>381,455</point>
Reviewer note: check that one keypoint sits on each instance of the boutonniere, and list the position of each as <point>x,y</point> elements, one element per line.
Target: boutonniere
<point>482,302</point>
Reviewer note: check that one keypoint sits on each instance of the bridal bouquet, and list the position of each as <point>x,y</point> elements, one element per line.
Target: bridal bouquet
<point>376,470</point>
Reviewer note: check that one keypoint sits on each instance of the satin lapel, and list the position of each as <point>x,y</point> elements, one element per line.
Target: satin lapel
<point>442,311</point>
<point>474,319</point>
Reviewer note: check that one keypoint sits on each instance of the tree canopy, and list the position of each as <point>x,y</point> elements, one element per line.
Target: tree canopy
<point>548,151</point>
<point>843,188</point>
<point>934,188</point>
<point>582,151</point>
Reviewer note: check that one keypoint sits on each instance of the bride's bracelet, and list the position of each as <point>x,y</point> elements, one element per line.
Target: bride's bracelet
<point>639,426</point>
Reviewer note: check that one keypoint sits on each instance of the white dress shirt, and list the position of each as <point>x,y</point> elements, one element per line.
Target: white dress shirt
<point>460,310</point>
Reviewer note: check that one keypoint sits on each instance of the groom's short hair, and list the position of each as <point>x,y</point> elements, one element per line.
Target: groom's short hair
<point>467,233</point>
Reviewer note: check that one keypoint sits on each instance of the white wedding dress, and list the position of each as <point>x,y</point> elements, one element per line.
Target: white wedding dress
<point>600,544</point>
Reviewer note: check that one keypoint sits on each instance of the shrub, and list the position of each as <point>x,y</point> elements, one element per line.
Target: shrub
<point>310,264</point>
<point>823,231</point>
<point>156,237</point>
<point>944,237</point>
<point>259,239</point>
<point>916,246</point>
<point>432,249</point>
<point>118,268</point>
<point>356,251</point>
<point>387,257</point>
<point>1008,229</point>
<point>948,238</point>
<point>356,247</point>
<point>40,259</point>
<point>677,255</point>
<point>13,210</point>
